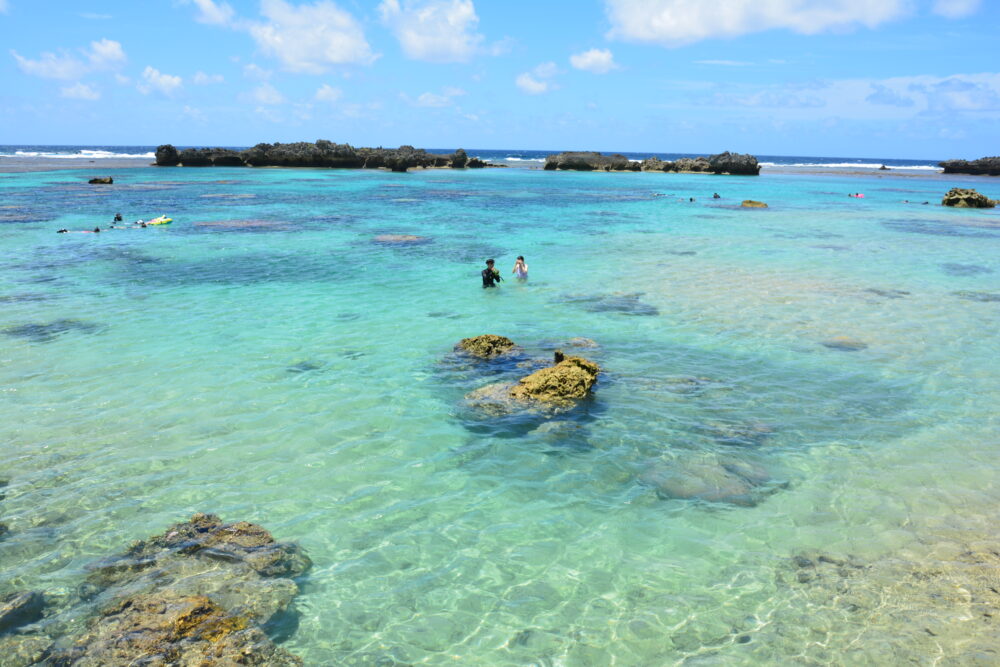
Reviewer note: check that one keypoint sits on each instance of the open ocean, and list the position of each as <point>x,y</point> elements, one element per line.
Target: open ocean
<point>263,358</point>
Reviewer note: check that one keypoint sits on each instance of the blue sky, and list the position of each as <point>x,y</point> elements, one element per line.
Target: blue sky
<point>865,78</point>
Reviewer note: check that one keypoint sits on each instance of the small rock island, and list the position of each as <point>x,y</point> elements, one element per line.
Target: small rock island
<point>320,154</point>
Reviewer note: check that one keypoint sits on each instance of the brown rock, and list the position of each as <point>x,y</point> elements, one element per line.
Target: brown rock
<point>401,239</point>
<point>569,379</point>
<point>962,198</point>
<point>168,629</point>
<point>487,346</point>
<point>750,203</point>
<point>106,180</point>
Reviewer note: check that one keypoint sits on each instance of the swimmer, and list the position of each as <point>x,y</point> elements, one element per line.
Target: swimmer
<point>715,195</point>
<point>520,268</point>
<point>118,217</point>
<point>490,275</point>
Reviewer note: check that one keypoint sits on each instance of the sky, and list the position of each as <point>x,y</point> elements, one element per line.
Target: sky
<point>855,78</point>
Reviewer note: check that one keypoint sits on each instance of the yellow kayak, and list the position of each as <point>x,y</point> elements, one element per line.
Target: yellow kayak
<point>162,220</point>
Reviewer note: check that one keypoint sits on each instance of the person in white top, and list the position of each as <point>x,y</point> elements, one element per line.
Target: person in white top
<point>520,268</point>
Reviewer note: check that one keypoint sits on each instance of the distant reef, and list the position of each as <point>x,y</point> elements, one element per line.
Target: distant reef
<point>320,154</point>
<point>723,163</point>
<point>984,166</point>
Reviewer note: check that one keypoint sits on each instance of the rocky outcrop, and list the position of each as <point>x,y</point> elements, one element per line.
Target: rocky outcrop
<point>168,629</point>
<point>752,203</point>
<point>984,166</point>
<point>570,379</point>
<point>167,156</point>
<point>735,164</point>
<point>104,180</point>
<point>712,480</point>
<point>196,595</point>
<point>590,161</point>
<point>961,198</point>
<point>487,346</point>
<point>209,157</point>
<point>723,163</point>
<point>320,154</point>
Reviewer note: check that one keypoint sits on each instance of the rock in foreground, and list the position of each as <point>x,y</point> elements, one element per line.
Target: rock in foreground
<point>169,629</point>
<point>961,198</point>
<point>104,180</point>
<point>984,166</point>
<point>752,203</point>
<point>487,346</point>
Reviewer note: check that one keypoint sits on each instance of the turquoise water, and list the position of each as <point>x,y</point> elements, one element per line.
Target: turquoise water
<point>264,359</point>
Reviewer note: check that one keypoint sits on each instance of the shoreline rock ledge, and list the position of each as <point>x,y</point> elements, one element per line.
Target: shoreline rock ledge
<point>735,164</point>
<point>320,154</point>
<point>984,166</point>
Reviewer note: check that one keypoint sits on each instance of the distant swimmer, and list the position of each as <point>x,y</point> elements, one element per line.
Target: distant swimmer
<point>690,198</point>
<point>490,275</point>
<point>715,195</point>
<point>520,268</point>
<point>118,217</point>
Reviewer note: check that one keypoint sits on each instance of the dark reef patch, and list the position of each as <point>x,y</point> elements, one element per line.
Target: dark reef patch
<point>965,269</point>
<point>624,303</point>
<point>888,293</point>
<point>983,297</point>
<point>46,332</point>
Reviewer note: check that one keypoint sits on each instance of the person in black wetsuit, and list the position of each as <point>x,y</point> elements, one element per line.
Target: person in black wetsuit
<point>490,275</point>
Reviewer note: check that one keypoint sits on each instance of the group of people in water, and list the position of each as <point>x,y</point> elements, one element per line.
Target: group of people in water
<point>113,225</point>
<point>491,275</point>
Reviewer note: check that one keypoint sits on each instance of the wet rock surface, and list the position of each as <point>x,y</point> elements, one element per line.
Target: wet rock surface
<point>752,203</point>
<point>104,180</point>
<point>571,378</point>
<point>169,629</point>
<point>17,609</point>
<point>487,346</point>
<point>400,239</point>
<point>199,594</point>
<point>715,480</point>
<point>589,161</point>
<point>965,198</point>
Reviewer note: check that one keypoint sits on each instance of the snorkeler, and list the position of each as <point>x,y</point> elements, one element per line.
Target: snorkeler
<point>520,268</point>
<point>490,275</point>
<point>118,217</point>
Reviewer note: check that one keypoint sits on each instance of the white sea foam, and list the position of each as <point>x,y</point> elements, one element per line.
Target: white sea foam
<point>84,154</point>
<point>523,159</point>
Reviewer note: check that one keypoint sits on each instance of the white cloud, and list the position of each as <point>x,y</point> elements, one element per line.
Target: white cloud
<point>434,99</point>
<point>193,113</point>
<point>438,31</point>
<point>214,13</point>
<point>267,94</point>
<point>153,79</point>
<point>80,91</point>
<point>598,61</point>
<point>956,9</point>
<point>679,22</point>
<point>51,66</point>
<point>105,54</point>
<point>253,71</point>
<point>202,79</point>
<point>327,93</point>
<point>536,81</point>
<point>122,79</point>
<point>3,6</point>
<point>309,38</point>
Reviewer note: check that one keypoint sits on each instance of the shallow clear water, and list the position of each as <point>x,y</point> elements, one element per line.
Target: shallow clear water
<point>264,359</point>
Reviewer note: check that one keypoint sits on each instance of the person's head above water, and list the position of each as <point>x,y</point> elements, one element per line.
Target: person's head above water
<point>490,262</point>
<point>521,257</point>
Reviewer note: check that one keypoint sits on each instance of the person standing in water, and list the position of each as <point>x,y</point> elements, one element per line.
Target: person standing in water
<point>520,268</point>
<point>490,275</point>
